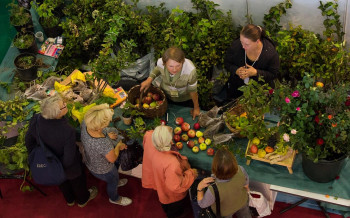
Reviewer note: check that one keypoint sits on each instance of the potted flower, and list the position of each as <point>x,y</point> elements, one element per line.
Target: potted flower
<point>315,121</point>
<point>20,18</point>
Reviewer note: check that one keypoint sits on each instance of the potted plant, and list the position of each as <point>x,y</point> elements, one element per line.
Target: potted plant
<point>20,18</point>
<point>25,42</point>
<point>49,20</point>
<point>128,112</point>
<point>315,121</point>
<point>26,66</point>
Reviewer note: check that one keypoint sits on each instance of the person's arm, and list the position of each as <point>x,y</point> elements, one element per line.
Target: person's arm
<point>112,156</point>
<point>203,184</point>
<point>147,83</point>
<point>192,88</point>
<point>196,110</point>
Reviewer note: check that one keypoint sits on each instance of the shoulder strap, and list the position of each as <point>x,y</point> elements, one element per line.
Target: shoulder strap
<point>217,200</point>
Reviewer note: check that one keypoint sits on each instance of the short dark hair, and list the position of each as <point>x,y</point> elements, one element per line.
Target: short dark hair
<point>224,164</point>
<point>175,54</point>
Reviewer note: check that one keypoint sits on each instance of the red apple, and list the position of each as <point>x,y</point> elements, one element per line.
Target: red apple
<point>177,138</point>
<point>177,130</point>
<point>185,127</point>
<point>196,126</point>
<point>162,122</point>
<point>159,102</point>
<point>210,151</point>
<point>148,100</point>
<point>254,149</point>
<point>149,94</point>
<point>179,145</point>
<point>190,144</point>
<point>184,137</point>
<point>156,97</point>
<point>191,133</point>
<point>179,120</point>
<point>201,140</point>
<point>195,149</point>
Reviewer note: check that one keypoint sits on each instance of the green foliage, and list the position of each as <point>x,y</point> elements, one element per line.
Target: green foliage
<point>272,19</point>
<point>332,22</point>
<point>138,130</point>
<point>314,120</point>
<point>45,12</point>
<point>18,15</point>
<point>130,110</point>
<point>23,41</point>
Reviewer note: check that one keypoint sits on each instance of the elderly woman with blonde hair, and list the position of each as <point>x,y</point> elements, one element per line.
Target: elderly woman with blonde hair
<point>166,171</point>
<point>101,152</point>
<point>59,136</point>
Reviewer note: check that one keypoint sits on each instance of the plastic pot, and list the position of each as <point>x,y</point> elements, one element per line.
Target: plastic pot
<point>29,26</point>
<point>51,32</point>
<point>33,48</point>
<point>26,74</point>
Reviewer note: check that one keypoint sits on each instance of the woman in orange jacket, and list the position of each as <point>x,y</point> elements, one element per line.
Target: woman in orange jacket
<point>166,171</point>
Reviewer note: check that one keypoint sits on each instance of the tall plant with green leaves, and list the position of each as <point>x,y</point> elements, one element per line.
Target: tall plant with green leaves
<point>272,19</point>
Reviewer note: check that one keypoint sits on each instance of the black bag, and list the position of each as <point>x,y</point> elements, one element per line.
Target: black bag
<point>131,157</point>
<point>45,167</point>
<point>207,212</point>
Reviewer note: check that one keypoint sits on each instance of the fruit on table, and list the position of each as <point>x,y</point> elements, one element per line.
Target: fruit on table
<point>203,146</point>
<point>185,126</point>
<point>201,140</point>
<point>207,141</point>
<point>179,120</point>
<point>177,130</point>
<point>261,153</point>
<point>210,151</point>
<point>145,105</point>
<point>184,137</point>
<point>153,104</point>
<point>191,133</point>
<point>196,126</point>
<point>254,149</point>
<point>199,134</point>
<point>179,145</point>
<point>177,138</point>
<point>195,149</point>
<point>269,149</point>
<point>190,144</point>
<point>147,100</point>
<point>256,141</point>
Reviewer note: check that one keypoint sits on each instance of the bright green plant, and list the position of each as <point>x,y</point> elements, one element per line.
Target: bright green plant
<point>23,41</point>
<point>45,11</point>
<point>19,15</point>
<point>272,19</point>
<point>332,22</point>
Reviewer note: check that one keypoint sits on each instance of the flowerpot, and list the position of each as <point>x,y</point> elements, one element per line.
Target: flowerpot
<point>51,32</point>
<point>29,72</point>
<point>30,47</point>
<point>127,120</point>
<point>29,26</point>
<point>324,170</point>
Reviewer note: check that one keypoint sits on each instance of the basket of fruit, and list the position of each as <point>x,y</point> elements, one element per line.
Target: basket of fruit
<point>152,103</point>
<point>236,119</point>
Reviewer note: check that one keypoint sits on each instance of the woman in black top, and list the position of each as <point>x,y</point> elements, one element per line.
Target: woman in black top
<point>251,56</point>
<point>59,136</point>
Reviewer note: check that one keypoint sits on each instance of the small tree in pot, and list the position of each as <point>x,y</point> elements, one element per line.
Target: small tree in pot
<point>20,18</point>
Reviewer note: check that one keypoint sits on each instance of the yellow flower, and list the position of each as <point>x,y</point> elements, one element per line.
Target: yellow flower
<point>319,84</point>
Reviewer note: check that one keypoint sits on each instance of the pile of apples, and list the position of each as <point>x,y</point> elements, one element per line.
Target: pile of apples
<point>151,100</point>
<point>184,132</point>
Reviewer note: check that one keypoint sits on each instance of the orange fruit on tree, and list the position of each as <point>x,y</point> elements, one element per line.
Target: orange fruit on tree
<point>269,149</point>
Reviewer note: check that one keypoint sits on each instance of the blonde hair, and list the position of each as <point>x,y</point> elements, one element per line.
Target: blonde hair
<point>98,116</point>
<point>50,107</point>
<point>162,137</point>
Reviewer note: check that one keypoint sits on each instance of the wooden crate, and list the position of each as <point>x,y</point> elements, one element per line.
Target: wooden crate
<point>287,162</point>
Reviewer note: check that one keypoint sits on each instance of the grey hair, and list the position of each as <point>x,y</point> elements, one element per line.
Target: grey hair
<point>50,108</point>
<point>162,137</point>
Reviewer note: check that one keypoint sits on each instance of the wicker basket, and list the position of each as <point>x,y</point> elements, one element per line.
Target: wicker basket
<point>158,111</point>
<point>236,110</point>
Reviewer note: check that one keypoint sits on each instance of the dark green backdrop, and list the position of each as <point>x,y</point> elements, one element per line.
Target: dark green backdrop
<point>7,31</point>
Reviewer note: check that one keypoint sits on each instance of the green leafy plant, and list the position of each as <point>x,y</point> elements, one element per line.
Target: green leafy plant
<point>23,41</point>
<point>332,22</point>
<point>26,62</point>
<point>19,15</point>
<point>272,19</point>
<point>130,110</point>
<point>315,120</point>
<point>45,12</point>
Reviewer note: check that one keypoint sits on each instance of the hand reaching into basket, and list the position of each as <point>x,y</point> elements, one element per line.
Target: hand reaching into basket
<point>146,84</point>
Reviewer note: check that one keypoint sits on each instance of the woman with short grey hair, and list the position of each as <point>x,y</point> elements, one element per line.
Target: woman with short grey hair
<point>59,136</point>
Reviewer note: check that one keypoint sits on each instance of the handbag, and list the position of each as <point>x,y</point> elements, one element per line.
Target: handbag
<point>45,167</point>
<point>131,157</point>
<point>258,204</point>
<point>208,212</point>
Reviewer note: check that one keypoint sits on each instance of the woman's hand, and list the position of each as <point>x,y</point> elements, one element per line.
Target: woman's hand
<point>121,146</point>
<point>205,183</point>
<point>113,135</point>
<point>246,72</point>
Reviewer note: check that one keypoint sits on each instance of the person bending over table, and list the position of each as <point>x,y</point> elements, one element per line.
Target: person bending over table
<point>178,79</point>
<point>166,171</point>
<point>251,56</point>
<point>100,153</point>
<point>232,182</point>
<point>59,136</point>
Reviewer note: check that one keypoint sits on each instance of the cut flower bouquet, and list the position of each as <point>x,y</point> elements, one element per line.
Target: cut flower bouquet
<point>314,120</point>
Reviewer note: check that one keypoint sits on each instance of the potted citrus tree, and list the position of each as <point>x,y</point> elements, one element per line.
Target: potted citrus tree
<point>315,121</point>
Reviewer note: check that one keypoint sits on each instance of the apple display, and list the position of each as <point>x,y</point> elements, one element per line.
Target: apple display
<point>184,137</point>
<point>199,134</point>
<point>149,94</point>
<point>156,97</point>
<point>207,141</point>
<point>203,146</point>
<point>210,151</point>
<point>179,120</point>
<point>191,133</point>
<point>201,140</point>
<point>185,126</point>
<point>195,149</point>
<point>190,144</point>
<point>196,126</point>
<point>179,145</point>
<point>148,100</point>
<point>177,130</point>
<point>177,138</point>
<point>153,104</point>
<point>254,149</point>
<point>159,102</point>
